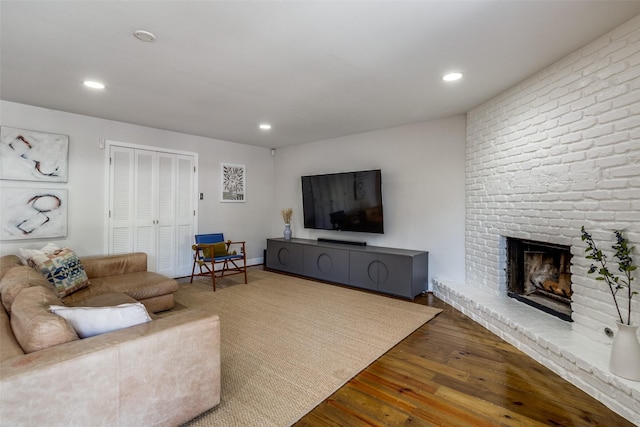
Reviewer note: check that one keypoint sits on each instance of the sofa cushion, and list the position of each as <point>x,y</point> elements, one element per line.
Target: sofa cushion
<point>140,285</point>
<point>34,327</point>
<point>17,279</point>
<point>104,300</point>
<point>91,321</point>
<point>113,265</point>
<point>159,303</point>
<point>63,269</point>
<point>9,347</point>
<point>7,262</point>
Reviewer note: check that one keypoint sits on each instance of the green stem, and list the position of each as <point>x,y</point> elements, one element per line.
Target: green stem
<point>629,295</point>
<point>604,272</point>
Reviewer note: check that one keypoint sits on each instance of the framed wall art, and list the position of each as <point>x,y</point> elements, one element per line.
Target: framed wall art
<point>33,213</point>
<point>27,155</point>
<point>233,182</point>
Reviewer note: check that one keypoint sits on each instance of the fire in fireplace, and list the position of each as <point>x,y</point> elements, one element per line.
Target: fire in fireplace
<point>539,274</point>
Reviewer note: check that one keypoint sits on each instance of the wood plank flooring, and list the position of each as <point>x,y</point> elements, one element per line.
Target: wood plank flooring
<point>453,372</point>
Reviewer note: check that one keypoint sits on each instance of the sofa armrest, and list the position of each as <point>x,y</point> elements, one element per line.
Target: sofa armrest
<point>163,372</point>
<point>112,265</point>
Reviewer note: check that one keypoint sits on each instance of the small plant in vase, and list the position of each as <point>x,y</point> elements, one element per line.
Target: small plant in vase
<point>286,216</point>
<point>625,352</point>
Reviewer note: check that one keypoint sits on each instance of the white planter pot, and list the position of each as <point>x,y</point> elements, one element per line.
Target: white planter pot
<point>625,353</point>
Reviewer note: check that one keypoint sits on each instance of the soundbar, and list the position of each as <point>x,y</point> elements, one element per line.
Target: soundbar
<point>342,242</point>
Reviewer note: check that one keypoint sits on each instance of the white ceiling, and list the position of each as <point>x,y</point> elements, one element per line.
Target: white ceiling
<point>313,69</point>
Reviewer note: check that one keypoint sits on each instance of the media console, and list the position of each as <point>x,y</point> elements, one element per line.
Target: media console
<point>399,272</point>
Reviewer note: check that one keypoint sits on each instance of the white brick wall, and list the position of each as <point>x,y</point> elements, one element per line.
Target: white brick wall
<point>558,151</point>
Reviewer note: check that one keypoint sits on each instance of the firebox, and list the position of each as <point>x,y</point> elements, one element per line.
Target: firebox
<point>539,274</point>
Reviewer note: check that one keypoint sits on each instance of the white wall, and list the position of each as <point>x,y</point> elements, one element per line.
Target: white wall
<point>87,211</point>
<point>422,176</point>
<point>423,187</point>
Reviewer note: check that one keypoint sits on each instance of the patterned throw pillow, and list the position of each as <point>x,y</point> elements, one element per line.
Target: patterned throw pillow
<point>63,270</point>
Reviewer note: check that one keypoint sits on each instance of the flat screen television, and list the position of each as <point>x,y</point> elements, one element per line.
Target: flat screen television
<point>347,201</point>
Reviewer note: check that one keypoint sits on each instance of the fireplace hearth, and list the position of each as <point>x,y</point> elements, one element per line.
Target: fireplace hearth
<point>539,274</point>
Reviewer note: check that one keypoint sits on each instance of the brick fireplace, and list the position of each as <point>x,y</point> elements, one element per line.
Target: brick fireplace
<point>558,151</point>
<point>539,274</point>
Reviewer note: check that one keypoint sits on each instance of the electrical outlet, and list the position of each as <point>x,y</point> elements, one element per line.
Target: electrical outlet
<point>201,196</point>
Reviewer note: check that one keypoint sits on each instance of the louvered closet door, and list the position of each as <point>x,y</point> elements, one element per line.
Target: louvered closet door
<point>152,207</point>
<point>144,196</point>
<point>185,213</point>
<point>165,215</point>
<point>121,175</point>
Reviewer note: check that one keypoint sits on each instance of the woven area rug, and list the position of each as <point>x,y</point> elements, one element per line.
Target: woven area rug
<point>289,343</point>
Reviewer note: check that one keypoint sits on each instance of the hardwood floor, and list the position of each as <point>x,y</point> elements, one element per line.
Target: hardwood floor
<point>453,372</point>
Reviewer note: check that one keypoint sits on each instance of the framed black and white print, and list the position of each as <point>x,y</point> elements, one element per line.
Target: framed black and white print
<point>33,213</point>
<point>233,182</point>
<point>27,155</point>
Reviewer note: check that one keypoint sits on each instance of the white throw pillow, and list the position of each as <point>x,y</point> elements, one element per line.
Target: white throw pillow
<point>26,254</point>
<point>90,321</point>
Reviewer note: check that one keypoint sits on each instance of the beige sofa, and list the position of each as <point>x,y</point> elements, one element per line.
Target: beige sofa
<point>164,372</point>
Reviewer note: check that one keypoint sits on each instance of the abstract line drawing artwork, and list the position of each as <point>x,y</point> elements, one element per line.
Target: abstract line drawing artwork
<point>27,155</point>
<point>33,213</point>
<point>233,183</point>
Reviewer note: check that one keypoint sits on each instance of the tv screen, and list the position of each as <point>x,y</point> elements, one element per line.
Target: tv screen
<point>348,201</point>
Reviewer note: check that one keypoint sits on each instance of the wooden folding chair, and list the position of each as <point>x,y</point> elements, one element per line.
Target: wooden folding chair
<point>211,250</point>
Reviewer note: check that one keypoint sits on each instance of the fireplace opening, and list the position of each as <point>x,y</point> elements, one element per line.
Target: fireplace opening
<point>539,274</point>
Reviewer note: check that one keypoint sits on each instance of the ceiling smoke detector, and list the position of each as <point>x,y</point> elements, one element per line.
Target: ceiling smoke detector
<point>144,36</point>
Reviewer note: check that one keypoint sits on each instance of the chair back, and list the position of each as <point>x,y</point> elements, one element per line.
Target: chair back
<point>209,238</point>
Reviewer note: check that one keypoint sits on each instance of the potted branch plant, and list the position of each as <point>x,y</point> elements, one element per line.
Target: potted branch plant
<point>286,216</point>
<point>625,351</point>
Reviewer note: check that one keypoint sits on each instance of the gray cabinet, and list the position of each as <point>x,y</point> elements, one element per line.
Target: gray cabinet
<point>285,256</point>
<point>395,274</point>
<point>364,271</point>
<point>388,270</point>
<point>391,274</point>
<point>326,263</point>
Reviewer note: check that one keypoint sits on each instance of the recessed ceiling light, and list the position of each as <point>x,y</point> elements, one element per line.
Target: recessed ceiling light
<point>144,36</point>
<point>452,77</point>
<point>265,126</point>
<point>93,84</point>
